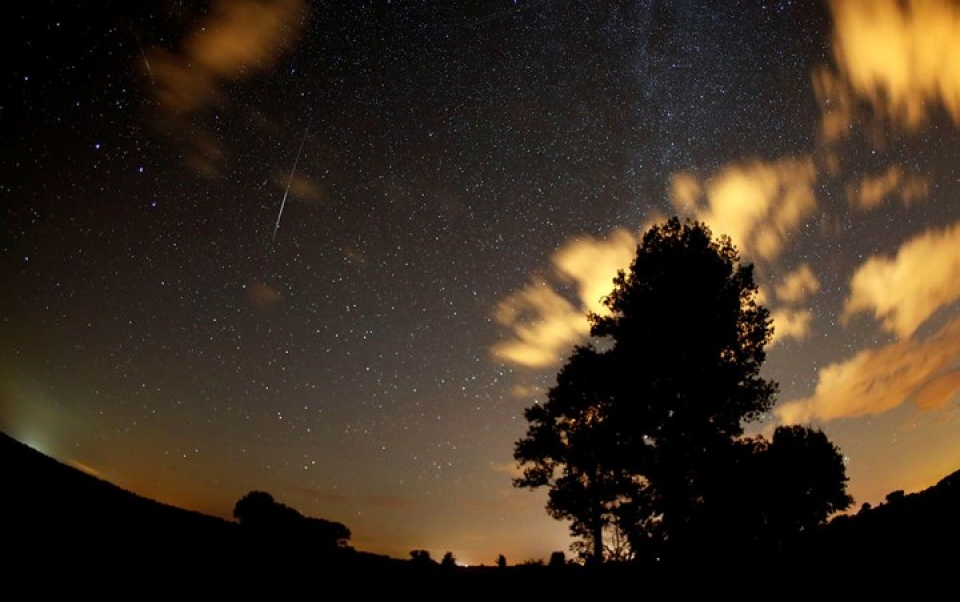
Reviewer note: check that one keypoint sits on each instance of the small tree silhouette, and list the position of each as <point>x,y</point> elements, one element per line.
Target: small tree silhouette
<point>448,561</point>
<point>278,524</point>
<point>421,557</point>
<point>557,559</point>
<point>256,509</point>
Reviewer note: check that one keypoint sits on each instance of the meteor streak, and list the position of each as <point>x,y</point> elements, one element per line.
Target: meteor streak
<point>290,179</point>
<point>142,53</point>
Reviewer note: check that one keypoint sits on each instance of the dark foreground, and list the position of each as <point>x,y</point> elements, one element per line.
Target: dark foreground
<point>65,532</point>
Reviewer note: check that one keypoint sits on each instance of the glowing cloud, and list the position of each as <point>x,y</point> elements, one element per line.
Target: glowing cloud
<point>301,188</point>
<point>237,39</point>
<point>837,104</point>
<point>874,189</point>
<point>876,380</point>
<point>262,296</point>
<point>543,323</point>
<point>790,324</point>
<point>798,285</point>
<point>904,291</point>
<point>592,264</point>
<point>523,391</point>
<point>937,391</point>
<point>685,190</point>
<point>757,204</point>
<point>900,56</point>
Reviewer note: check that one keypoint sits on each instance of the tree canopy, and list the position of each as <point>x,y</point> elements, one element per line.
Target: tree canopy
<point>268,520</point>
<point>643,431</point>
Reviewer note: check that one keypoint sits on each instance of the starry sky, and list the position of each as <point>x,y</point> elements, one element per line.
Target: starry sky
<point>332,250</point>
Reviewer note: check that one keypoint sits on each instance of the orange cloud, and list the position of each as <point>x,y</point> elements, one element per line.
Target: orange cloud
<point>592,265</point>
<point>512,469</point>
<point>877,380</point>
<point>685,191</point>
<point>524,391</point>
<point>872,190</point>
<point>798,285</point>
<point>937,391</point>
<point>837,104</point>
<point>790,324</point>
<point>544,324</point>
<point>302,187</point>
<point>905,290</point>
<point>237,39</point>
<point>262,296</point>
<point>901,56</point>
<point>758,204</point>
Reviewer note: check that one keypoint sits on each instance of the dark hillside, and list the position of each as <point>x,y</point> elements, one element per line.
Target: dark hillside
<point>917,531</point>
<point>87,534</point>
<point>54,514</point>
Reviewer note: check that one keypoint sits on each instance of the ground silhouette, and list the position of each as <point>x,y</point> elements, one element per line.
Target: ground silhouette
<point>66,532</point>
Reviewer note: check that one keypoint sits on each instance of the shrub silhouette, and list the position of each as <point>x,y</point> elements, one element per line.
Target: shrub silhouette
<point>269,521</point>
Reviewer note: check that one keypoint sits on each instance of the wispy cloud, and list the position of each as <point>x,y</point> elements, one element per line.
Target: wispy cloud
<point>511,469</point>
<point>902,57</point>
<point>526,391</point>
<point>758,204</point>
<point>592,264</point>
<point>236,40</point>
<point>261,295</point>
<point>872,190</point>
<point>542,325</point>
<point>301,187</point>
<point>789,321</point>
<point>837,104</point>
<point>905,290</point>
<point>790,324</point>
<point>798,285</point>
<point>542,322</point>
<point>877,380</point>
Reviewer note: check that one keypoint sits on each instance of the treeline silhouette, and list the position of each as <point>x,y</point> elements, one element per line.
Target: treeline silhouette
<point>268,522</point>
<point>84,533</point>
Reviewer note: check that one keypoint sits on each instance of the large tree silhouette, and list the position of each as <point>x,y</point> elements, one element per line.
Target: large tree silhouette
<point>642,428</point>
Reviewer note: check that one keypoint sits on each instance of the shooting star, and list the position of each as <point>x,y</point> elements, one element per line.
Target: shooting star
<point>142,53</point>
<point>290,180</point>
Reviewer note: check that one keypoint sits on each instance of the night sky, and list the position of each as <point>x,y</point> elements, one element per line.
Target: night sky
<point>332,250</point>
